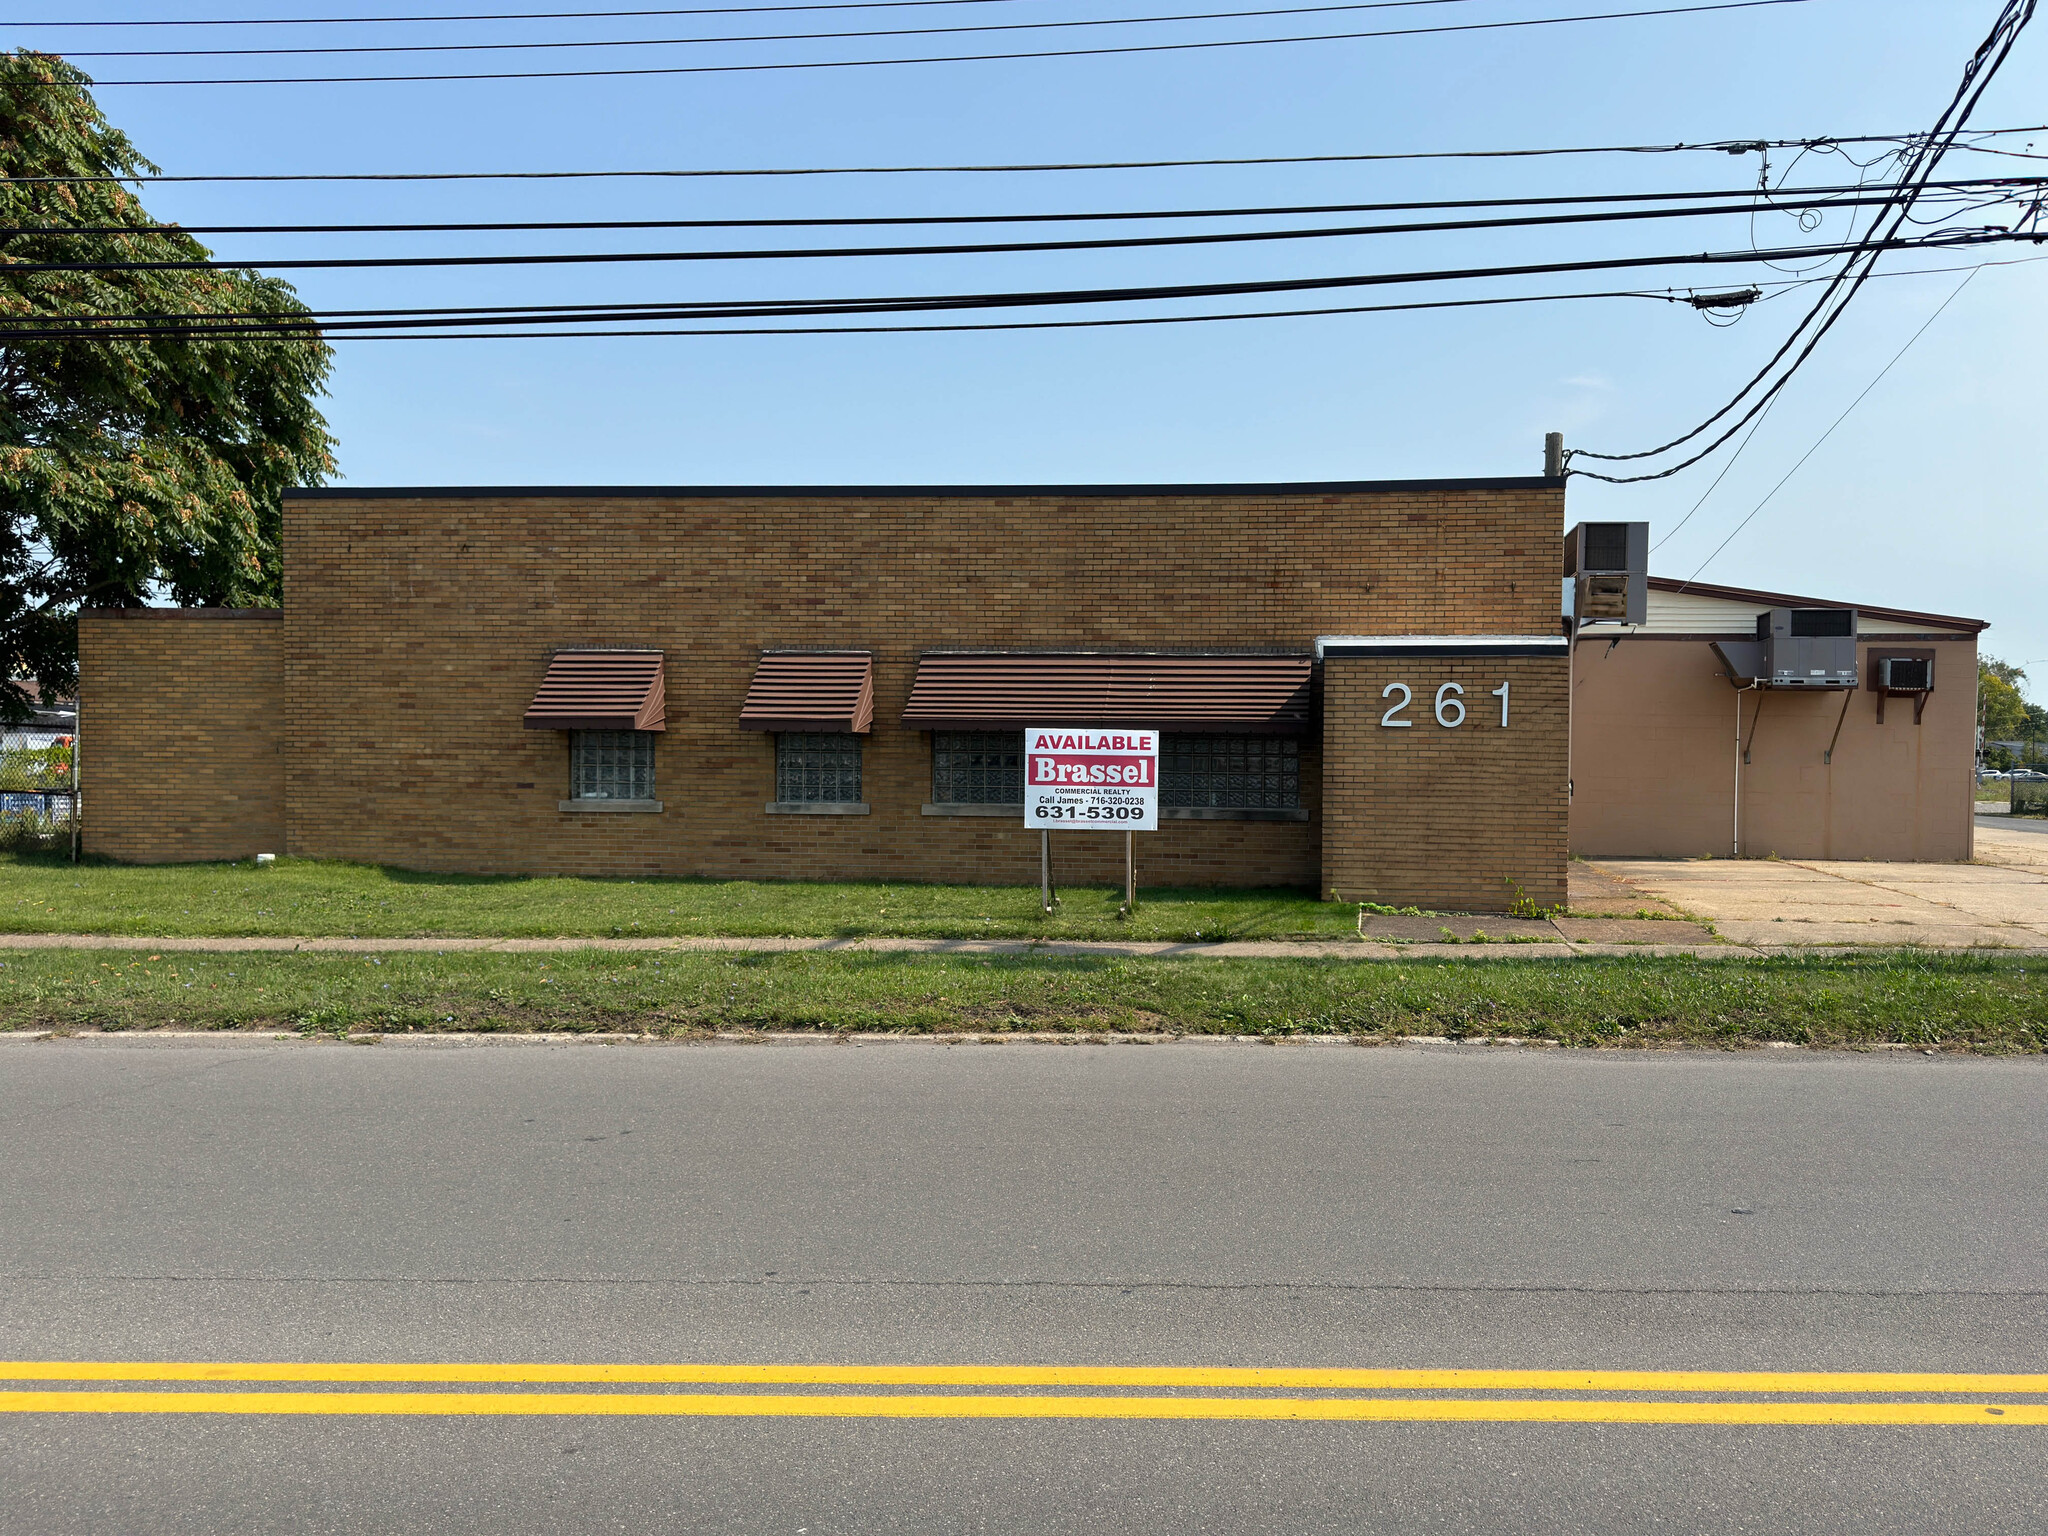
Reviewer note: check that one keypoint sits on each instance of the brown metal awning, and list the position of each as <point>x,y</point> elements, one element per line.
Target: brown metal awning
<point>811,691</point>
<point>591,690</point>
<point>1264,695</point>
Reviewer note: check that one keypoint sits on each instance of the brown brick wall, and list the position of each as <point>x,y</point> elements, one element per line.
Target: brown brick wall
<point>1430,816</point>
<point>181,732</point>
<point>417,628</point>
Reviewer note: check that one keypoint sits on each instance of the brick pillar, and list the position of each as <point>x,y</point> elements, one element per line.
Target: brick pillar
<point>1423,808</point>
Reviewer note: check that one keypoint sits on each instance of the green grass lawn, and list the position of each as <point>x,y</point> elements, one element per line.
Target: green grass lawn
<point>1979,1003</point>
<point>42,893</point>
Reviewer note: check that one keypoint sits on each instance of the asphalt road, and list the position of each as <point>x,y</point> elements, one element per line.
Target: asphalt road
<point>1139,1206</point>
<point>2006,822</point>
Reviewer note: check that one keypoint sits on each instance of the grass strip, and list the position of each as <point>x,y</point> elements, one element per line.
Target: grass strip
<point>317,898</point>
<point>1983,1003</point>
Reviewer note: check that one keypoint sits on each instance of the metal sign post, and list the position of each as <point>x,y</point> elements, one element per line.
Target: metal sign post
<point>1079,778</point>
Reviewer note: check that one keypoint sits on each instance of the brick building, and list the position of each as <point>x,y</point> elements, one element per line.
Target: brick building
<point>1360,686</point>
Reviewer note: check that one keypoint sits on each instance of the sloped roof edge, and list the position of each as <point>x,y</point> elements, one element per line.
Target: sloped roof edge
<point>1788,600</point>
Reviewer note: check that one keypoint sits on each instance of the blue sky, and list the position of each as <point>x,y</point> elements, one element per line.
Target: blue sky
<point>1929,496</point>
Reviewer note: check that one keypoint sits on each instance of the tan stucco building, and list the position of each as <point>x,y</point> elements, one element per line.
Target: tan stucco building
<point>1671,758</point>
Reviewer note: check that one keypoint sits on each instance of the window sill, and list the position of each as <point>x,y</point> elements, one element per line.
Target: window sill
<point>645,807</point>
<point>972,808</point>
<point>1228,813</point>
<point>817,808</point>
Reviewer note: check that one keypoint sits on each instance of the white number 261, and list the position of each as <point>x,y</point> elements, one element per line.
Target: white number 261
<point>1449,705</point>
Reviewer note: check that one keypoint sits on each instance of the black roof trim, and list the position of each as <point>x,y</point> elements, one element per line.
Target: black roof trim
<point>895,492</point>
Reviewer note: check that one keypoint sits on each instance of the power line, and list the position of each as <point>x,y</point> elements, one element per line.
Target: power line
<point>971,58</point>
<point>834,330</point>
<point>1922,159</point>
<point>1733,458</point>
<point>345,21</point>
<point>1831,429</point>
<point>185,327</point>
<point>1786,199</point>
<point>630,308</point>
<point>514,313</point>
<point>2010,154</point>
<point>899,304</point>
<point>1714,146</point>
<point>765,37</point>
<point>981,248</point>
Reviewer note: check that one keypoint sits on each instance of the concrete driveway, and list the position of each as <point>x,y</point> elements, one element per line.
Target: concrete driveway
<point>1999,901</point>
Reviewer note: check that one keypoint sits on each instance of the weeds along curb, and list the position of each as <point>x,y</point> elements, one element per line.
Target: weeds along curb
<point>174,1038</point>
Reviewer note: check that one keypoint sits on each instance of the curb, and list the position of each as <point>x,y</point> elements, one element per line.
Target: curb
<point>470,1040</point>
<point>1246,949</point>
<point>460,1039</point>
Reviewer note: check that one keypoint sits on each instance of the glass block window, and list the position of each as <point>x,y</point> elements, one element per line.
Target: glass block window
<point>978,767</point>
<point>1256,773</point>
<point>817,767</point>
<point>611,765</point>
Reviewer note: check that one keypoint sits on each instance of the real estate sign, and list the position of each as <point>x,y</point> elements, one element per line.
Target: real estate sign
<point>1081,779</point>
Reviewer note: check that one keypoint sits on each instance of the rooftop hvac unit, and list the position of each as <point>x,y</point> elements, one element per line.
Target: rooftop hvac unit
<point>1609,564</point>
<point>1808,647</point>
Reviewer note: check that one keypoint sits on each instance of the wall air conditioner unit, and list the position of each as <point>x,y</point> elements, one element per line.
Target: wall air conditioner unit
<point>1609,564</point>
<point>1905,674</point>
<point>1808,647</point>
<point>1908,674</point>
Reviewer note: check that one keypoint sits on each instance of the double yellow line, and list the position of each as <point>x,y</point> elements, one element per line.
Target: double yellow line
<point>1792,1397</point>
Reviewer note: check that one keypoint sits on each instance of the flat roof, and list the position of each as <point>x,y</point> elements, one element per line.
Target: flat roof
<point>1431,645</point>
<point>897,492</point>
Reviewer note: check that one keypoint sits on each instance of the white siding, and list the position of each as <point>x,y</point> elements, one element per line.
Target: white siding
<point>1699,613</point>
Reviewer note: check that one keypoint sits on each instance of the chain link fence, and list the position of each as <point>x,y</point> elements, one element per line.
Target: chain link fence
<point>38,805</point>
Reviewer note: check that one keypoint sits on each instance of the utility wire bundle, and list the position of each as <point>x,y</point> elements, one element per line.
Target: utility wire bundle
<point>1886,229</point>
<point>1910,212</point>
<point>34,249</point>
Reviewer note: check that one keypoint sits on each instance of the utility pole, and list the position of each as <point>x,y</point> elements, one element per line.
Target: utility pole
<point>1553,455</point>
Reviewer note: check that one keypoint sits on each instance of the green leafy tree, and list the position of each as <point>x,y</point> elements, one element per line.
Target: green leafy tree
<point>131,465</point>
<point>2001,709</point>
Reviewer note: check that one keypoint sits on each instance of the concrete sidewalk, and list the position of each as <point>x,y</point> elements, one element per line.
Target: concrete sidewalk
<point>1500,939</point>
